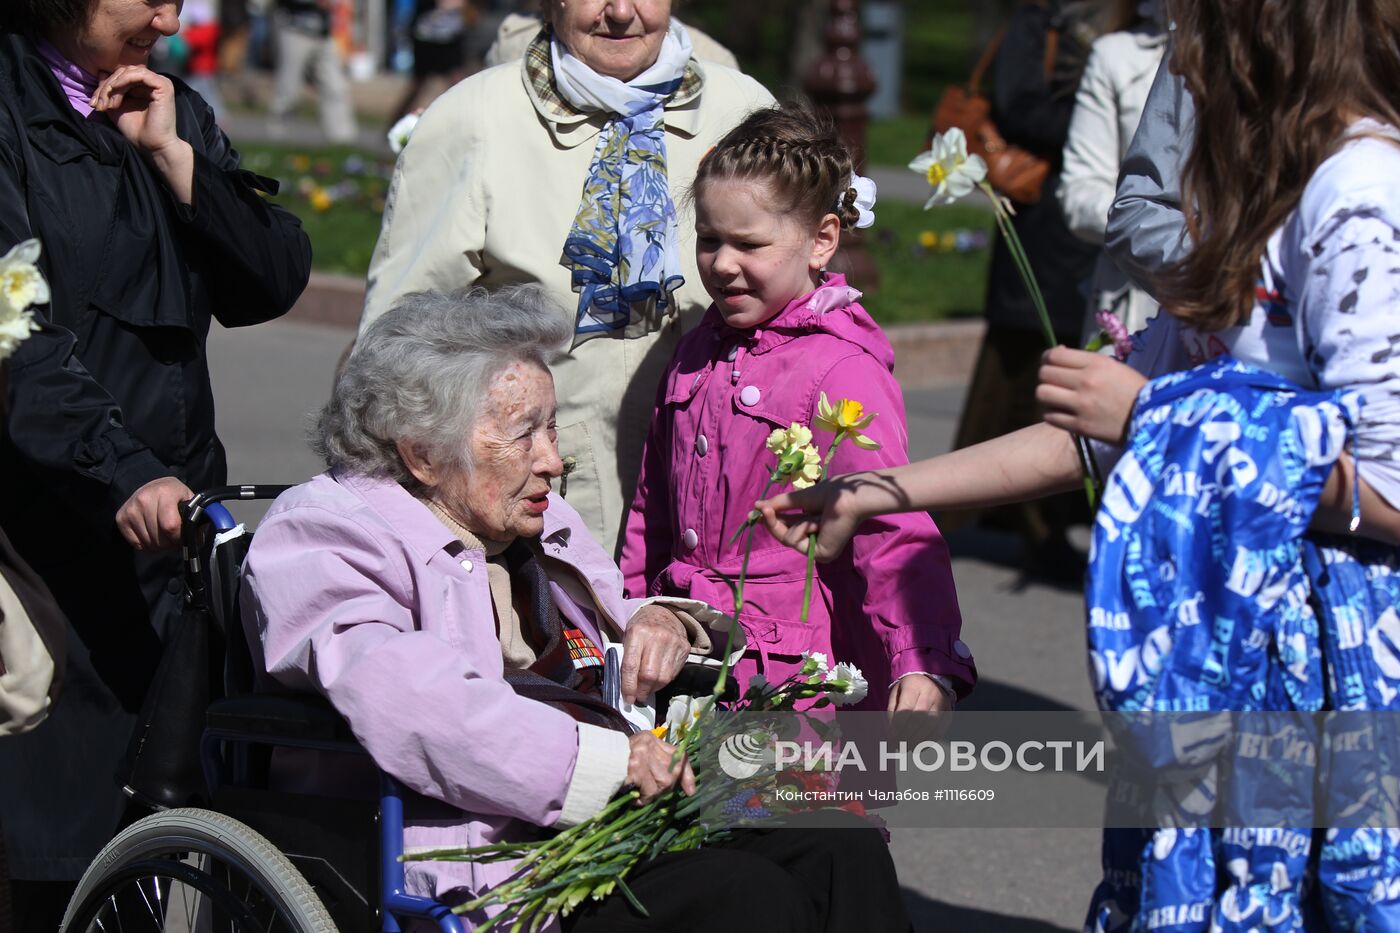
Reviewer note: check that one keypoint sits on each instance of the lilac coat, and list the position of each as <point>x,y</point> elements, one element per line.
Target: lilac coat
<point>888,604</point>
<point>353,589</point>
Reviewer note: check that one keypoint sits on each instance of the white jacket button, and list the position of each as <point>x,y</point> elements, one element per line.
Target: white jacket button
<point>467,566</point>
<point>702,445</point>
<point>750,395</point>
<point>690,539</point>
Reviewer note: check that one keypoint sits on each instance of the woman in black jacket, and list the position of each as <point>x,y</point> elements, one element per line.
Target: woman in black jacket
<point>149,231</point>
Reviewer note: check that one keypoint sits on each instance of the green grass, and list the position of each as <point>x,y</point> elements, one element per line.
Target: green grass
<point>916,283</point>
<point>343,226</point>
<point>920,284</point>
<point>895,141</point>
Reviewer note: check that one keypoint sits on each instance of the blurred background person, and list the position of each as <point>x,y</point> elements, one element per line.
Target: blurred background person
<point>260,34</point>
<point>235,34</point>
<point>1035,75</point>
<point>200,29</point>
<point>1107,109</point>
<point>439,32</point>
<point>302,33</point>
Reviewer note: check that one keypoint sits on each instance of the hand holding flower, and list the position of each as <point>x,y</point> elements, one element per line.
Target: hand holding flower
<point>1088,394</point>
<point>652,767</point>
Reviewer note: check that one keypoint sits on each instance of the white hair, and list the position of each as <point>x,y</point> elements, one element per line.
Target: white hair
<point>418,374</point>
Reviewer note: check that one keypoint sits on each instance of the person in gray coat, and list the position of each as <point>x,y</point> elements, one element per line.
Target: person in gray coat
<point>1146,228</point>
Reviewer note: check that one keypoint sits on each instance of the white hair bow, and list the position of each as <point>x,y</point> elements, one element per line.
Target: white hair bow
<point>865,200</point>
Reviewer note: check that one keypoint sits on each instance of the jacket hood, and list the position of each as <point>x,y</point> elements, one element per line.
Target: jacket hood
<point>833,308</point>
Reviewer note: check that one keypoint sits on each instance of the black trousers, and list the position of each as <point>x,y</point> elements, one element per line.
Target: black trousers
<point>779,880</point>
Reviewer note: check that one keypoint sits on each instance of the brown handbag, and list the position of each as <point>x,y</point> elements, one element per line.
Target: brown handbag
<point>1013,171</point>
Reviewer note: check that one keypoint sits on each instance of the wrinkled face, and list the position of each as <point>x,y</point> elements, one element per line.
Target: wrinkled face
<point>618,38</point>
<point>753,259</point>
<point>119,32</point>
<point>502,495</point>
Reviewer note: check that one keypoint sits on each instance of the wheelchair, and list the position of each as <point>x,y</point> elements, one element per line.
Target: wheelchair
<point>249,857</point>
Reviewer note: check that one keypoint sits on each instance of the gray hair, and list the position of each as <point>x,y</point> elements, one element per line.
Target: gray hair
<point>418,374</point>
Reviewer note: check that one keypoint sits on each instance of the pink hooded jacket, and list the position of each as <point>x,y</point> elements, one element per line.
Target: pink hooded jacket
<point>888,604</point>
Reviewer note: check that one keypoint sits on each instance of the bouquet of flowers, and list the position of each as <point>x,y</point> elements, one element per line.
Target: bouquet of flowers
<point>592,860</point>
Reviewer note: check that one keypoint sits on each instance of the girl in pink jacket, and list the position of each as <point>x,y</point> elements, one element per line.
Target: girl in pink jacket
<point>770,202</point>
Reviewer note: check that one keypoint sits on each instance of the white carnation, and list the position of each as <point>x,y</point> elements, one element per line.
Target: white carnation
<point>849,683</point>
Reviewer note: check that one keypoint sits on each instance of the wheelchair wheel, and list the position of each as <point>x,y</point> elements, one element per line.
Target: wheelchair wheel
<point>193,871</point>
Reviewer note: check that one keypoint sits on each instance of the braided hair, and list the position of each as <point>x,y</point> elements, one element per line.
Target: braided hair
<point>797,153</point>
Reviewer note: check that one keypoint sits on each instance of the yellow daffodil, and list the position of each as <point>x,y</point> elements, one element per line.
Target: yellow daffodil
<point>846,417</point>
<point>320,199</point>
<point>949,169</point>
<point>928,239</point>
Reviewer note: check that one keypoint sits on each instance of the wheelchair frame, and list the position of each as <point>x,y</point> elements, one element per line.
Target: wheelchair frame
<point>237,724</point>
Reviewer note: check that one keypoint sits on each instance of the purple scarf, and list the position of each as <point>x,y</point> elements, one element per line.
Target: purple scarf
<point>78,84</point>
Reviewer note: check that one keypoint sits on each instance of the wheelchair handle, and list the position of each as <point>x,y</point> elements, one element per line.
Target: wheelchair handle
<point>205,508</point>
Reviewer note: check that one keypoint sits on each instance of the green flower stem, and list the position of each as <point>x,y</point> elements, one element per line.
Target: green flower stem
<point>811,573</point>
<point>723,678</point>
<point>1088,468</point>
<point>812,538</point>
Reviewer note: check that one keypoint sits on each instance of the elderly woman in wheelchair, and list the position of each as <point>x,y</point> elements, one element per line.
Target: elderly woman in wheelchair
<point>456,613</point>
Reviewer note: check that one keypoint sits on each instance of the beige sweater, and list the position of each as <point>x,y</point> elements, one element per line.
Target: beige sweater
<point>485,193</point>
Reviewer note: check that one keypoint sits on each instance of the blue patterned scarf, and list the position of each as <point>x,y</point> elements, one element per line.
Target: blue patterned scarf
<point>622,248</point>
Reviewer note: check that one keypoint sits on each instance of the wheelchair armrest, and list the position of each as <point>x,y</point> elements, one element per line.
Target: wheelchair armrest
<point>287,718</point>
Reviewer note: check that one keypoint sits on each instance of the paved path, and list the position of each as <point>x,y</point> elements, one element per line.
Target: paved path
<point>1029,643</point>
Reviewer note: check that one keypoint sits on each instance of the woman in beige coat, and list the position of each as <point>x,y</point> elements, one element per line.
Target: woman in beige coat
<point>531,172</point>
<point>1107,109</point>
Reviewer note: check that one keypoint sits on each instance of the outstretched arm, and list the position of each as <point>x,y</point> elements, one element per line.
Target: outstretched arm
<point>1082,392</point>
<point>1031,462</point>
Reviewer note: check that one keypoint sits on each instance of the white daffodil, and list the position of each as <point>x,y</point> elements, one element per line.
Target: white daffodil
<point>400,131</point>
<point>849,684</point>
<point>949,169</point>
<point>14,328</point>
<point>683,713</point>
<point>22,286</point>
